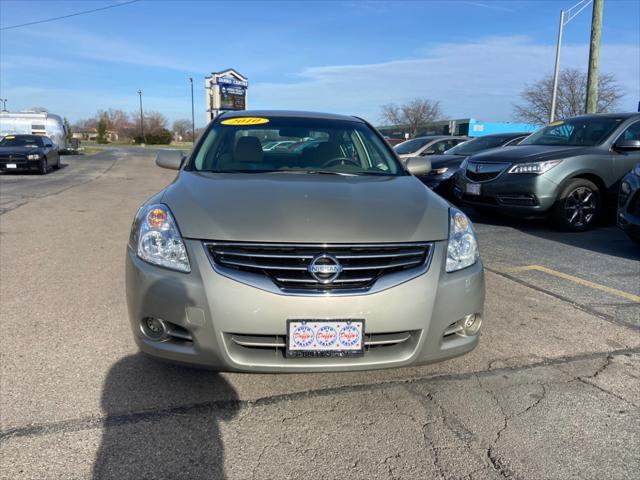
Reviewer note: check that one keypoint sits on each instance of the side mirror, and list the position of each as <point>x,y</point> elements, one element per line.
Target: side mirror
<point>627,145</point>
<point>418,166</point>
<point>171,159</point>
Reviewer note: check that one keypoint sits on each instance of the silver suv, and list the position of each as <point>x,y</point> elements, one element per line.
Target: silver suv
<point>327,257</point>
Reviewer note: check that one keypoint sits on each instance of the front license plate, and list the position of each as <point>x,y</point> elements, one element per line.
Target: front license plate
<point>11,165</point>
<point>325,338</point>
<point>473,188</point>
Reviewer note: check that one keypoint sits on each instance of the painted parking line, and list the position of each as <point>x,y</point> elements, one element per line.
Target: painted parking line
<point>578,280</point>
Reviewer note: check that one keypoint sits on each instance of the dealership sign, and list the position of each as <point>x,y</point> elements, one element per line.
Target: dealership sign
<point>226,90</point>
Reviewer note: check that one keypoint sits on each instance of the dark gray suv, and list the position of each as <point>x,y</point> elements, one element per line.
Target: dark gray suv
<point>568,170</point>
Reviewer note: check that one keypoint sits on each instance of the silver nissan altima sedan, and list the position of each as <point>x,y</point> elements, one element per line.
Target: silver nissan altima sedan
<point>326,256</point>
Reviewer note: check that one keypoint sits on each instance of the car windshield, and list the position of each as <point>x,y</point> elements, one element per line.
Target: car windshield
<point>237,145</point>
<point>411,146</point>
<point>13,141</point>
<point>577,132</point>
<point>477,145</point>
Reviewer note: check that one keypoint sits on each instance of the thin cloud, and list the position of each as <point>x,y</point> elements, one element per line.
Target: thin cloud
<point>482,78</point>
<point>489,6</point>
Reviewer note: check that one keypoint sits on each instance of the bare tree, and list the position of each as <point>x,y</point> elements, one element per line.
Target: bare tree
<point>182,128</point>
<point>572,93</point>
<point>153,121</point>
<point>412,116</point>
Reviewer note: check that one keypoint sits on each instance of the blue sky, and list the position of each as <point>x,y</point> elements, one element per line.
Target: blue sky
<point>339,56</point>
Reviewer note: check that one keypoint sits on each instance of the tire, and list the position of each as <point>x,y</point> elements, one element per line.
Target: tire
<point>57,165</point>
<point>44,166</point>
<point>578,207</point>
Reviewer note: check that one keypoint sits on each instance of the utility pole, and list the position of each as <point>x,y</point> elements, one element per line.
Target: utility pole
<point>141,117</point>
<point>593,74</point>
<point>193,118</point>
<point>554,92</point>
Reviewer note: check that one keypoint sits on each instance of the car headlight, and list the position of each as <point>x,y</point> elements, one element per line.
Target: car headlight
<point>636,170</point>
<point>156,239</point>
<point>534,167</point>
<point>33,156</point>
<point>462,249</point>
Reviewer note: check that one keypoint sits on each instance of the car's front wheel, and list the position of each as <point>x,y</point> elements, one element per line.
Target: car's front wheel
<point>44,166</point>
<point>578,206</point>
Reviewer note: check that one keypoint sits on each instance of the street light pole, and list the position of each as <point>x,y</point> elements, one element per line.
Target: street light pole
<point>554,92</point>
<point>193,118</point>
<point>565,18</point>
<point>141,116</point>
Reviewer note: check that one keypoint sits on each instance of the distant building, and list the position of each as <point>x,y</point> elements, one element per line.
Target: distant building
<point>463,126</point>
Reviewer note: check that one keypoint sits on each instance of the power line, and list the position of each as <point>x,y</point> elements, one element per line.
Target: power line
<point>69,15</point>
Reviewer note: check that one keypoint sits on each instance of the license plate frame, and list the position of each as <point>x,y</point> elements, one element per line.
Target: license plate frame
<point>473,189</point>
<point>334,349</point>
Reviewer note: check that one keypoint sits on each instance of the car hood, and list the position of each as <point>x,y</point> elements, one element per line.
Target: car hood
<point>529,153</point>
<point>20,150</point>
<point>304,208</point>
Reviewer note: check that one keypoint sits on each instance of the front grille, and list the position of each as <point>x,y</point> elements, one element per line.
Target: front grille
<point>278,342</point>
<point>14,157</point>
<point>484,172</point>
<point>481,177</point>
<point>287,265</point>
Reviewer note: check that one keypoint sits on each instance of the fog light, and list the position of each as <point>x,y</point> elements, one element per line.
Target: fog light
<point>153,328</point>
<point>470,324</point>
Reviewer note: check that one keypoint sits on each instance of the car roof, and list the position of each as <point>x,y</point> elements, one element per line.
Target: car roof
<point>23,135</point>
<point>507,134</point>
<point>291,114</point>
<point>624,115</point>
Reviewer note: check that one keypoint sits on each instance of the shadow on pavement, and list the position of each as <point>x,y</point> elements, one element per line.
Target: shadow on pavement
<point>604,238</point>
<point>162,421</point>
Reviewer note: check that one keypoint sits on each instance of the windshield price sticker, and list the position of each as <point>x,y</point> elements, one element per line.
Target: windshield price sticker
<point>245,121</point>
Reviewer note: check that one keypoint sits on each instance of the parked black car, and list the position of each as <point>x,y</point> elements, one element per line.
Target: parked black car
<point>441,179</point>
<point>28,152</point>
<point>567,171</point>
<point>629,204</point>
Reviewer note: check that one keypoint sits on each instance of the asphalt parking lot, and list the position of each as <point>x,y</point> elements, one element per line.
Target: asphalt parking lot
<point>552,391</point>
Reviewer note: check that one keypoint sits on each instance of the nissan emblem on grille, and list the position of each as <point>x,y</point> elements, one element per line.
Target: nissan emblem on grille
<point>324,268</point>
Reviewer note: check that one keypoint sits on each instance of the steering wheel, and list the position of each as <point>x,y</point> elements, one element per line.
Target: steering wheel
<point>341,161</point>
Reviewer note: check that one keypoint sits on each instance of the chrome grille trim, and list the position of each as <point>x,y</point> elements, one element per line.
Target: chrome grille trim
<point>279,341</point>
<point>282,267</point>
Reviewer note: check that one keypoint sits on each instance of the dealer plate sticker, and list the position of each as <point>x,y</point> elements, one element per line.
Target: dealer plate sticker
<point>473,188</point>
<point>325,337</point>
<point>11,165</point>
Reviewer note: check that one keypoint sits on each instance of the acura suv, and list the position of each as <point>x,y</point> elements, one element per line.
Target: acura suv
<point>445,166</point>
<point>329,258</point>
<point>567,171</point>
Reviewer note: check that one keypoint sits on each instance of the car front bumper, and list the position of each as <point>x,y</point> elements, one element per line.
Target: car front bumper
<point>215,309</point>
<point>628,217</point>
<point>20,165</point>
<point>518,194</point>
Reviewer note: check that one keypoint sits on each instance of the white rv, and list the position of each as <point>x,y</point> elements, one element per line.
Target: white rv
<point>34,123</point>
